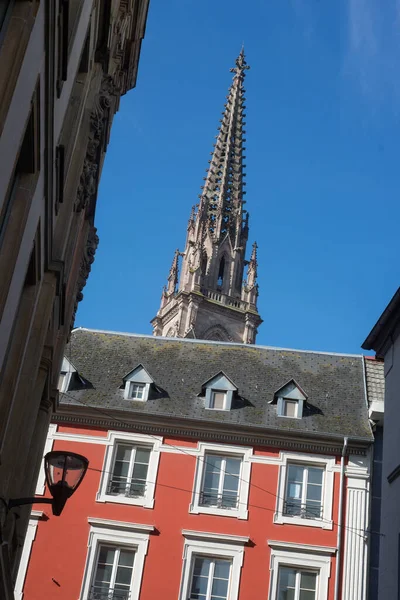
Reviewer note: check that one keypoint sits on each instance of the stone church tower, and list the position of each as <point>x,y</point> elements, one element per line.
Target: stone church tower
<point>209,299</point>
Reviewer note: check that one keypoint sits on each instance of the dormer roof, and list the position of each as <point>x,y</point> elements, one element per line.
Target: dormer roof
<point>290,390</point>
<point>220,381</point>
<point>139,374</point>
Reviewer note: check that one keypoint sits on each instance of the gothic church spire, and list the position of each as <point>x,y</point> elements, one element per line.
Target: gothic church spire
<point>221,201</point>
<point>212,300</point>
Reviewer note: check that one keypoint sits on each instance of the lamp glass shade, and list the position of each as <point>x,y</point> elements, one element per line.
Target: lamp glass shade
<point>64,470</point>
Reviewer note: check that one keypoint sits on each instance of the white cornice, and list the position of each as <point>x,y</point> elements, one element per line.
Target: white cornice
<point>108,523</point>
<point>203,430</point>
<point>36,514</point>
<point>301,547</point>
<point>216,537</point>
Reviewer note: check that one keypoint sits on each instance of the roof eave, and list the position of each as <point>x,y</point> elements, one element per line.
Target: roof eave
<point>385,326</point>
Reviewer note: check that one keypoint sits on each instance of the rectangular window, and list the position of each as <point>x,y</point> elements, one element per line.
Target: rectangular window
<point>218,400</point>
<point>62,44</point>
<point>295,584</point>
<point>303,497</point>
<point>210,578</point>
<point>137,391</point>
<point>289,408</point>
<point>113,576</point>
<point>221,481</point>
<point>129,472</point>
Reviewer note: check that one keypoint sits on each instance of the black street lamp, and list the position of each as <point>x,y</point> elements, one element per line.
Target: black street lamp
<point>64,473</point>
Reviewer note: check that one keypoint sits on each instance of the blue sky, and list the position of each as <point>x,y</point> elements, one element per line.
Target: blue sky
<point>323,152</point>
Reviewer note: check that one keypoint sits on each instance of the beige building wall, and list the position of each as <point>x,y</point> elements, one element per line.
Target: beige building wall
<point>64,66</point>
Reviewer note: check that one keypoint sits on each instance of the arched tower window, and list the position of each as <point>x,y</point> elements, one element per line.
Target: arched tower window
<point>204,263</point>
<point>221,272</point>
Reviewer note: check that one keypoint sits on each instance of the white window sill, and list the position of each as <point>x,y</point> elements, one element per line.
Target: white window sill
<point>145,502</point>
<point>280,519</point>
<point>220,512</point>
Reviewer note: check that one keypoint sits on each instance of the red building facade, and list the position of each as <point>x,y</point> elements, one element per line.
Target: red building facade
<point>241,474</point>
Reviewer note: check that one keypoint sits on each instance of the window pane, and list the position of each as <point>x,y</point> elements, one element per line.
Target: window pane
<point>199,585</point>
<point>140,471</point>
<point>123,453</point>
<point>308,581</point>
<point>315,475</point>
<point>294,490</point>
<point>201,566</point>
<point>222,569</point>
<point>103,574</point>
<point>142,455</point>
<point>287,577</point>
<point>295,473</point>
<point>137,390</point>
<point>211,480</point>
<point>289,408</point>
<point>306,595</point>
<point>106,555</point>
<point>286,594</point>
<point>314,492</point>
<point>124,576</point>
<point>231,483</point>
<point>121,470</point>
<point>218,399</point>
<point>220,587</point>
<point>126,558</point>
<point>213,462</point>
<point>233,466</point>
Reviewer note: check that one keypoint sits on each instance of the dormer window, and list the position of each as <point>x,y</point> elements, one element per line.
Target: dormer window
<point>290,400</point>
<point>218,392</point>
<point>289,408</point>
<point>218,399</point>
<point>64,379</point>
<point>137,384</point>
<point>137,391</point>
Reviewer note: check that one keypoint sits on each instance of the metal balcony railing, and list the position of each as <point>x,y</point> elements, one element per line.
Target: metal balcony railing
<point>131,488</point>
<point>219,500</point>
<point>100,593</point>
<point>304,511</point>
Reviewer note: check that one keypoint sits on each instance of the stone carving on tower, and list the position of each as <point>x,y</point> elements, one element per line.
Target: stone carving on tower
<point>210,300</point>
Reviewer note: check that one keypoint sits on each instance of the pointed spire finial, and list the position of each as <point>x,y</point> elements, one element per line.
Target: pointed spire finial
<point>173,274</point>
<point>252,267</point>
<point>241,64</point>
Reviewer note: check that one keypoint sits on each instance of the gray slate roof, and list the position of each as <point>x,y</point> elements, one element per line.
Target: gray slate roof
<point>334,383</point>
<point>374,370</point>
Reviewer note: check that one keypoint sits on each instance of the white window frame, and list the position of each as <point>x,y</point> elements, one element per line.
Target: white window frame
<point>281,408</point>
<point>212,545</point>
<point>66,372</point>
<point>41,480</point>
<point>30,535</point>
<point>128,391</point>
<point>143,389</point>
<point>116,533</point>
<point>115,438</point>
<point>326,462</point>
<point>245,455</point>
<point>304,557</point>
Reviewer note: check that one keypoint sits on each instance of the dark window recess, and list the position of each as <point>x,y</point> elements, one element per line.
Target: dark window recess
<point>60,175</point>
<point>29,156</point>
<point>84,62</point>
<point>221,271</point>
<point>33,273</point>
<point>28,161</point>
<point>62,34</point>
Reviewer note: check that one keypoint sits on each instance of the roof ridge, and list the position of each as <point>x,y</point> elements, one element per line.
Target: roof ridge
<point>218,343</point>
